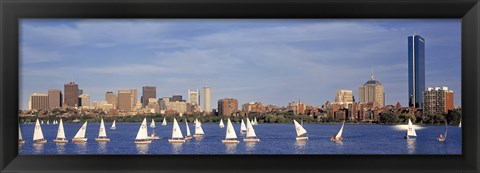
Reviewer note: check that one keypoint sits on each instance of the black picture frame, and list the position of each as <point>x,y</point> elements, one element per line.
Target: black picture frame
<point>13,10</point>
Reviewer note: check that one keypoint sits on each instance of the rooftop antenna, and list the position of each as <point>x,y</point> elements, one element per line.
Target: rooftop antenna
<point>371,76</point>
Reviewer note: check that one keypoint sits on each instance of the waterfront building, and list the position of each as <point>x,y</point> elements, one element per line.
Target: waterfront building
<point>207,108</point>
<point>163,103</point>
<point>111,98</point>
<point>194,97</point>
<point>55,98</point>
<point>416,70</point>
<point>372,92</point>
<point>125,100</point>
<point>437,100</point>
<point>344,97</point>
<point>95,105</point>
<point>39,101</point>
<point>177,107</point>
<point>256,107</point>
<point>153,106</point>
<point>71,94</point>
<point>227,106</point>
<point>84,101</point>
<point>148,92</point>
<point>133,98</point>
<point>176,98</point>
<point>298,108</point>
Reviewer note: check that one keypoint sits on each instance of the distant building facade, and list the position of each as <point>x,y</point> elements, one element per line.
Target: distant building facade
<point>111,98</point>
<point>125,102</point>
<point>55,98</point>
<point>437,100</point>
<point>207,108</point>
<point>194,97</point>
<point>372,92</point>
<point>416,70</point>
<point>148,92</point>
<point>71,94</point>
<point>253,107</point>
<point>227,106</point>
<point>84,101</point>
<point>298,108</point>
<point>39,101</point>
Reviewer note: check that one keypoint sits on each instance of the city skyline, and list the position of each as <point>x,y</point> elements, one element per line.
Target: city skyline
<point>269,61</point>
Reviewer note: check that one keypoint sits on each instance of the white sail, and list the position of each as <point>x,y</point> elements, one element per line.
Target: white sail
<point>221,124</point>
<point>339,134</point>
<point>243,127</point>
<point>300,130</point>
<point>411,130</point>
<point>37,134</point>
<point>188,128</point>
<point>142,131</point>
<point>460,124</point>
<point>102,132</point>
<point>19,134</point>
<point>164,123</point>
<point>198,128</point>
<point>61,131</point>
<point>176,131</point>
<point>230,131</point>
<point>81,132</point>
<point>250,130</point>
<point>48,121</point>
<point>152,124</point>
<point>42,121</point>
<point>113,125</point>
<point>255,121</point>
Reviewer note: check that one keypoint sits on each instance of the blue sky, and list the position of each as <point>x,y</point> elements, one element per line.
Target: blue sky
<point>271,61</point>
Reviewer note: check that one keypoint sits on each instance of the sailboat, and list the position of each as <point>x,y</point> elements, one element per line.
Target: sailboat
<point>189,136</point>
<point>152,124</point>
<point>251,136</point>
<point>221,125</point>
<point>38,134</point>
<point>460,124</point>
<point>176,133</point>
<point>255,121</point>
<point>142,135</point>
<point>338,137</point>
<point>48,121</point>
<point>80,136</point>
<point>61,134</point>
<point>442,138</point>
<point>411,131</point>
<point>154,135</point>
<point>20,138</point>
<point>243,128</point>
<point>301,132</point>
<point>102,133</point>
<point>164,123</point>
<point>42,121</point>
<point>113,126</point>
<point>198,129</point>
<point>231,136</point>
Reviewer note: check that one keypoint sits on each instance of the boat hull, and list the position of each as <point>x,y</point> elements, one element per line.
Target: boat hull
<point>198,135</point>
<point>21,141</point>
<point>409,137</point>
<point>154,137</point>
<point>143,142</point>
<point>113,128</point>
<point>230,141</point>
<point>441,139</point>
<point>302,138</point>
<point>251,140</point>
<point>188,137</point>
<point>176,140</point>
<point>336,139</point>
<point>42,141</point>
<point>102,139</point>
<point>79,140</point>
<point>60,141</point>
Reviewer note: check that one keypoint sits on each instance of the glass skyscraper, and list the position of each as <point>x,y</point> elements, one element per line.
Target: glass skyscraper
<point>416,70</point>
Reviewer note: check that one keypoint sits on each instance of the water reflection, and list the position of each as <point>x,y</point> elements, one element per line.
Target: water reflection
<point>37,148</point>
<point>250,146</point>
<point>231,148</point>
<point>81,148</point>
<point>177,148</point>
<point>411,145</point>
<point>142,148</point>
<point>300,146</point>
<point>60,148</point>
<point>102,147</point>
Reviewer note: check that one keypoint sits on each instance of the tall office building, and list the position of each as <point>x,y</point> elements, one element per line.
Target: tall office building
<point>437,101</point>
<point>206,99</point>
<point>148,92</point>
<point>194,97</point>
<point>344,96</point>
<point>71,94</point>
<point>39,101</point>
<point>176,98</point>
<point>227,106</point>
<point>84,101</point>
<point>416,70</point>
<point>372,92</point>
<point>125,100</point>
<point>111,98</point>
<point>55,98</point>
<point>133,97</point>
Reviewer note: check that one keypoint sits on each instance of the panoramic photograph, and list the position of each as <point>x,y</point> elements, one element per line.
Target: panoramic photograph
<point>240,86</point>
